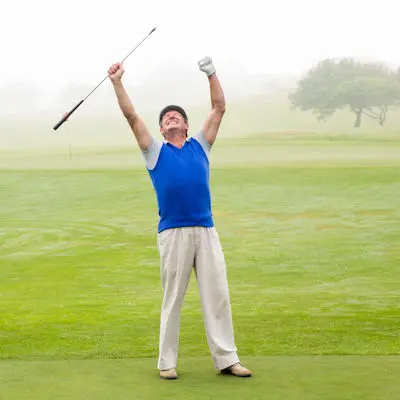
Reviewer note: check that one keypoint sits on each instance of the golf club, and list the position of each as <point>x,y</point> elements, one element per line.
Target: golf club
<point>66,116</point>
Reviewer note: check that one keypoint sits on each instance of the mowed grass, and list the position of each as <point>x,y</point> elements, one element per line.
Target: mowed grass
<point>312,244</point>
<point>283,377</point>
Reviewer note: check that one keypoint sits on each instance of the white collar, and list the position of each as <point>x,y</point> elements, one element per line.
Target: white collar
<point>166,141</point>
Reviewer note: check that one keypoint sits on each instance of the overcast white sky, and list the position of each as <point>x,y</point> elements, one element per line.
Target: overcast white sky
<point>50,42</point>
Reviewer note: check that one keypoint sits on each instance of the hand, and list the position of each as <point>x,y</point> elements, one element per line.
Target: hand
<point>206,65</point>
<point>115,72</point>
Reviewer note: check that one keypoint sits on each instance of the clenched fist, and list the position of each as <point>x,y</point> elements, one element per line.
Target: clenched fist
<point>206,65</point>
<point>115,72</point>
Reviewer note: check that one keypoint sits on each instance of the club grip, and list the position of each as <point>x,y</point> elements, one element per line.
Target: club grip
<point>55,127</point>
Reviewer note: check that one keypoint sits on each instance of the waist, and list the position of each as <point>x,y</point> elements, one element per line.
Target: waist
<point>169,222</point>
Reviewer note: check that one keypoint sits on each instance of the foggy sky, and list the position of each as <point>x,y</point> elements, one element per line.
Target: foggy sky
<point>54,53</point>
<point>53,43</point>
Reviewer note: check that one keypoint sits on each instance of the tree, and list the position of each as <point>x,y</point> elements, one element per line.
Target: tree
<point>369,89</point>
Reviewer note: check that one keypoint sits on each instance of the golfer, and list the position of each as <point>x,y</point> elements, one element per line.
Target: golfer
<point>179,169</point>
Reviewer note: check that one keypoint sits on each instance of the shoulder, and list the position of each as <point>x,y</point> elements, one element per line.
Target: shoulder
<point>152,153</point>
<point>200,138</point>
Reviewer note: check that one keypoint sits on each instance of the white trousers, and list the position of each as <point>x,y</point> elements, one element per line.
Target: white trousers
<point>181,250</point>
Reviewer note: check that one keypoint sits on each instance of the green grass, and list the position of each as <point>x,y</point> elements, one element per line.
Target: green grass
<point>313,378</point>
<point>310,230</point>
<point>257,151</point>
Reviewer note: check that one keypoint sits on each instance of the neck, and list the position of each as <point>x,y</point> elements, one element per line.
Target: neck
<point>176,138</point>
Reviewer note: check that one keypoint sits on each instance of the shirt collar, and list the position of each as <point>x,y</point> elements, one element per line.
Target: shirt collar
<point>166,141</point>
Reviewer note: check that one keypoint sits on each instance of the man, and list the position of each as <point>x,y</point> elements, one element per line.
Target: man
<point>179,169</point>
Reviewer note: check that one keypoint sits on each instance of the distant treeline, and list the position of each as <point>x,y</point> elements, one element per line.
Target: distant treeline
<point>365,88</point>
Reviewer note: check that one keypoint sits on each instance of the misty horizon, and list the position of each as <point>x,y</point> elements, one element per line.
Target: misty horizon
<point>55,56</point>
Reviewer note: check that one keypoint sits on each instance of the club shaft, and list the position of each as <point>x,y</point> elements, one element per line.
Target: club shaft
<point>55,127</point>
<point>138,45</point>
<point>121,62</point>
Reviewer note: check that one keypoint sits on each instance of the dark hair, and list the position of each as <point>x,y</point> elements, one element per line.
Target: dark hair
<point>172,107</point>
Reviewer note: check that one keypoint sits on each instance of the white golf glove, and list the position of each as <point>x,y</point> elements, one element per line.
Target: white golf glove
<point>206,65</point>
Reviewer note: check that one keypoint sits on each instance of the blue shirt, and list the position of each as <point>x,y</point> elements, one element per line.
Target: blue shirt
<point>180,178</point>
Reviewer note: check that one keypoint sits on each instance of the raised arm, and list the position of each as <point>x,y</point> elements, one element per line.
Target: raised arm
<point>213,122</point>
<point>135,121</point>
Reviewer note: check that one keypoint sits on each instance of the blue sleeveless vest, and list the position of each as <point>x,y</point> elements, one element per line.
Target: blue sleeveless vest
<point>181,182</point>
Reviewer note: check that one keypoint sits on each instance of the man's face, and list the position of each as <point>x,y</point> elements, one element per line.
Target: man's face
<point>173,121</point>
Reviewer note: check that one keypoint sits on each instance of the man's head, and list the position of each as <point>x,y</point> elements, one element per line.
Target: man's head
<point>173,121</point>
